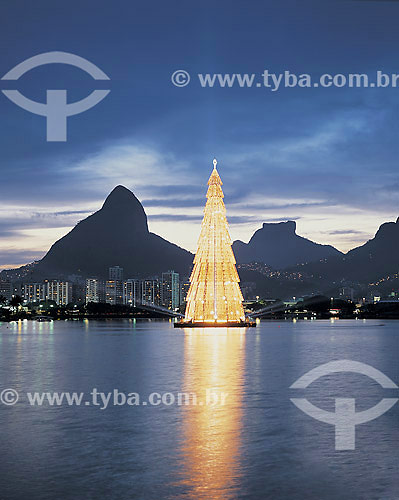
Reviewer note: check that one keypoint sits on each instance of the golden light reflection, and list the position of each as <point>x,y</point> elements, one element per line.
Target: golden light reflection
<point>214,360</point>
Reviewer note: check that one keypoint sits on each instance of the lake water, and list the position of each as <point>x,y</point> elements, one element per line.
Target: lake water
<point>257,445</point>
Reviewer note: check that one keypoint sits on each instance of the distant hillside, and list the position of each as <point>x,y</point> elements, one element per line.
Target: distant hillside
<point>115,235</point>
<point>375,259</point>
<point>278,246</point>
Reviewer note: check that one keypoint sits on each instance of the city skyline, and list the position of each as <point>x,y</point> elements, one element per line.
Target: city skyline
<point>167,290</point>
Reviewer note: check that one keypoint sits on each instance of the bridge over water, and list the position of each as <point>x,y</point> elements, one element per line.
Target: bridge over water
<point>276,307</point>
<point>159,310</point>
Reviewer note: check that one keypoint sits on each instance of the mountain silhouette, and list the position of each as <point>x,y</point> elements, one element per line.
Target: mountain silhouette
<point>374,260</point>
<point>115,235</point>
<point>278,246</point>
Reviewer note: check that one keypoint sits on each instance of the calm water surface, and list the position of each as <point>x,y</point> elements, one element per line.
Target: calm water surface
<point>258,445</point>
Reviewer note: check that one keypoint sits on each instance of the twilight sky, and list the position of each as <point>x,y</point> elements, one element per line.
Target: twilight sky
<point>327,158</point>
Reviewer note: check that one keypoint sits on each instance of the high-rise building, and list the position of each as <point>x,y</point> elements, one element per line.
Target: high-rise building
<point>60,292</point>
<point>115,273</point>
<point>114,286</point>
<point>110,292</point>
<point>114,292</point>
<point>184,288</point>
<point>6,289</point>
<point>170,290</point>
<point>94,290</point>
<point>131,292</point>
<point>33,292</point>
<point>78,288</point>
<point>214,294</point>
<point>151,291</point>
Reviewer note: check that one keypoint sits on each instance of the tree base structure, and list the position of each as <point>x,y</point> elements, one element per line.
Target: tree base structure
<point>216,324</point>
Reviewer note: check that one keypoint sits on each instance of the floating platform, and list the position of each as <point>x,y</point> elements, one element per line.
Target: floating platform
<point>227,324</point>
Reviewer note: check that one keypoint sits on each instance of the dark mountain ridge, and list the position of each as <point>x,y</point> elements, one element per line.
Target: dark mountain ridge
<point>278,246</point>
<point>115,235</point>
<point>377,258</point>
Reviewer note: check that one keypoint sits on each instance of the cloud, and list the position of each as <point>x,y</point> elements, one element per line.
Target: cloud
<point>393,187</point>
<point>13,258</point>
<point>232,219</point>
<point>14,223</point>
<point>281,219</point>
<point>175,217</point>
<point>346,231</point>
<point>133,165</point>
<point>267,207</point>
<point>70,212</point>
<point>174,202</point>
<point>9,233</point>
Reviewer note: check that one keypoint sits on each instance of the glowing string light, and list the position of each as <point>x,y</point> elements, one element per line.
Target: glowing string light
<point>214,293</point>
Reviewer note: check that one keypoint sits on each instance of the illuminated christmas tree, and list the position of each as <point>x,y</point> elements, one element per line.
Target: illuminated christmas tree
<point>214,294</point>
